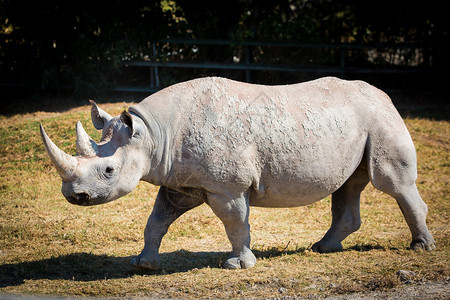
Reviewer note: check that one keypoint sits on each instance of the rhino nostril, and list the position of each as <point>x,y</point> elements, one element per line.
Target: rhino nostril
<point>82,197</point>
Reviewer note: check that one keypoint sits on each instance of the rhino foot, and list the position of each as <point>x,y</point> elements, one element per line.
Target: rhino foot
<point>145,263</point>
<point>326,246</point>
<point>421,245</point>
<point>242,262</point>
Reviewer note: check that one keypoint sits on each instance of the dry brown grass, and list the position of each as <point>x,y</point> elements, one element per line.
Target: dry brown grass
<point>48,246</point>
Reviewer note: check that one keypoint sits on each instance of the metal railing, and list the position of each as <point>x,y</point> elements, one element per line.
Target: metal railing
<point>248,65</point>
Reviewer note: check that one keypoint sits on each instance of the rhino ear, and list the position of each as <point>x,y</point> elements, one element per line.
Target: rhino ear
<point>136,130</point>
<point>99,116</point>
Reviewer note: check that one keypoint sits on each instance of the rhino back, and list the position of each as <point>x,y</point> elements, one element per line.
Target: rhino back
<point>292,144</point>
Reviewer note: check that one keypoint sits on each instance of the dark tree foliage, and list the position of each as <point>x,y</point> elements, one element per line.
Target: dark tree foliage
<point>77,43</point>
<point>49,44</point>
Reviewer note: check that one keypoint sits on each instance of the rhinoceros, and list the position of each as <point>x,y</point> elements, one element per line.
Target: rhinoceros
<point>233,145</point>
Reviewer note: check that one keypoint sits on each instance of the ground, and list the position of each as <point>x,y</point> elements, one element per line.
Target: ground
<point>49,247</point>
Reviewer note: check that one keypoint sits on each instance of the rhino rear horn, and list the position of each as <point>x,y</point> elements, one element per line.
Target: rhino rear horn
<point>64,163</point>
<point>85,145</point>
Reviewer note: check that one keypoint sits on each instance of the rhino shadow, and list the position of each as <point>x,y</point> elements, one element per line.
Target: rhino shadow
<point>76,266</point>
<point>91,267</point>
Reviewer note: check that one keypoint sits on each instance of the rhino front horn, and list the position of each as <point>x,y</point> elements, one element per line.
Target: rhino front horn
<point>85,145</point>
<point>64,163</point>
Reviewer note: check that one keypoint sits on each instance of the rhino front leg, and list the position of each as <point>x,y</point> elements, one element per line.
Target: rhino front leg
<point>169,205</point>
<point>345,212</point>
<point>234,213</point>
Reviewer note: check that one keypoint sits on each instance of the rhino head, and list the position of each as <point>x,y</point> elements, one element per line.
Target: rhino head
<point>105,171</point>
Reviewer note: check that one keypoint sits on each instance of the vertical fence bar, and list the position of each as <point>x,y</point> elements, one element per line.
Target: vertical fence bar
<point>155,68</point>
<point>152,77</point>
<point>343,64</point>
<point>247,63</point>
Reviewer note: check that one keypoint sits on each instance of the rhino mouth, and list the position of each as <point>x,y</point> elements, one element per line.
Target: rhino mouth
<point>82,199</point>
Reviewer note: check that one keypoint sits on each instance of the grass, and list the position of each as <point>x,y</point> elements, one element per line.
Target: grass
<point>50,247</point>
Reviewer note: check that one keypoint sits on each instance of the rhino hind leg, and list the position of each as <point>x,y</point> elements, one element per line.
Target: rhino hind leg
<point>234,213</point>
<point>415,210</point>
<point>169,205</point>
<point>345,212</point>
<point>394,172</point>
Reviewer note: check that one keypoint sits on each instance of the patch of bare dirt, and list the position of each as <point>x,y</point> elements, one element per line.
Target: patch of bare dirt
<point>429,290</point>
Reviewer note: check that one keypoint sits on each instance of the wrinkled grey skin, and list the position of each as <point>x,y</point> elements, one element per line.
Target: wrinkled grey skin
<point>234,145</point>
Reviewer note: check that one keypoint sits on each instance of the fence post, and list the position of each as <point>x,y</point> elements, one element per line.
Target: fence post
<point>154,76</point>
<point>248,60</point>
<point>343,55</point>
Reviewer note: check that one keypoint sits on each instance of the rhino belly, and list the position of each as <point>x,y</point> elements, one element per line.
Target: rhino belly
<point>307,176</point>
<point>292,192</point>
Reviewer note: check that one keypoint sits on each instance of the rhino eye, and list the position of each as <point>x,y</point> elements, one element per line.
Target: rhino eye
<point>109,170</point>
